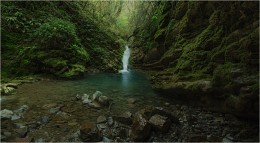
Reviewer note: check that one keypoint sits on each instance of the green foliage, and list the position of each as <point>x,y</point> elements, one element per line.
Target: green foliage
<point>57,50</point>
<point>56,33</point>
<point>74,71</point>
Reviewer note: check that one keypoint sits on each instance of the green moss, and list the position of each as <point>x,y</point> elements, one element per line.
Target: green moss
<point>74,71</point>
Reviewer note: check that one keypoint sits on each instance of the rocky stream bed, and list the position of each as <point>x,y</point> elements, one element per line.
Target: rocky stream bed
<point>98,117</point>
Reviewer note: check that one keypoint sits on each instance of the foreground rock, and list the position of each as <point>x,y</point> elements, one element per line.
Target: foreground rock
<point>97,100</point>
<point>6,114</point>
<point>160,123</point>
<point>140,129</point>
<point>89,133</point>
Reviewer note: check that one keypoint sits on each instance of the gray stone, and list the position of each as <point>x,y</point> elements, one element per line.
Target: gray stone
<point>110,121</point>
<point>101,119</point>
<point>140,129</point>
<point>94,104</point>
<point>78,97</point>
<point>160,123</point>
<point>6,114</point>
<point>54,110</point>
<point>86,99</point>
<point>96,95</point>
<point>105,139</point>
<point>15,117</point>
<point>48,106</point>
<point>228,138</point>
<point>131,100</point>
<point>45,119</point>
<point>103,100</point>
<point>166,104</point>
<point>101,126</point>
<point>19,125</point>
<point>23,109</point>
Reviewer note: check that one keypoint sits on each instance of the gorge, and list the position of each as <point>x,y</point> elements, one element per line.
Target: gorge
<point>129,71</point>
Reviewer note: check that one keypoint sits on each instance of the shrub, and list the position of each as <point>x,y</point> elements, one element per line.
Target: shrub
<point>57,50</point>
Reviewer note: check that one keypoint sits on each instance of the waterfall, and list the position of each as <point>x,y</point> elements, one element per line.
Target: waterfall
<point>125,59</point>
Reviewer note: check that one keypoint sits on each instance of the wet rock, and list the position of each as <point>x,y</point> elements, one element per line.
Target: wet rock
<point>228,138</point>
<point>19,125</point>
<point>103,100</point>
<point>54,110</point>
<point>78,97</point>
<point>86,99</point>
<point>48,106</point>
<point>96,95</point>
<point>6,114</point>
<point>105,139</point>
<point>5,90</point>
<point>166,104</point>
<point>101,126</point>
<point>94,104</point>
<point>45,119</point>
<point>160,123</point>
<point>22,132</point>
<point>15,117</point>
<point>89,133</point>
<point>140,129</point>
<point>22,109</point>
<point>125,118</point>
<point>110,121</point>
<point>131,100</point>
<point>101,119</point>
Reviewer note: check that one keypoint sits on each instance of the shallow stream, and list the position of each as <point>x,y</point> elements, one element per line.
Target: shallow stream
<point>43,95</point>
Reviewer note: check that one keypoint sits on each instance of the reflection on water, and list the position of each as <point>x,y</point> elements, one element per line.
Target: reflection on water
<point>125,79</point>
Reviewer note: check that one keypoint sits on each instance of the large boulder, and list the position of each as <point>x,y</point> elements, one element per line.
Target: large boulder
<point>89,133</point>
<point>140,129</point>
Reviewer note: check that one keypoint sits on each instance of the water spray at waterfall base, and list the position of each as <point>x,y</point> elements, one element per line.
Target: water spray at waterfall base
<point>125,60</point>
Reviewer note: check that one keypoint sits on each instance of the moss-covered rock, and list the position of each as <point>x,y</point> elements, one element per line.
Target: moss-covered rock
<point>213,41</point>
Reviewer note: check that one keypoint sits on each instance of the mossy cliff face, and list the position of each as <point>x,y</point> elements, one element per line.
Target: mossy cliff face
<point>53,38</point>
<point>208,51</point>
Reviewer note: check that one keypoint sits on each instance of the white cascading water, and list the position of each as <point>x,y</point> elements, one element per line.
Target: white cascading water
<point>125,59</point>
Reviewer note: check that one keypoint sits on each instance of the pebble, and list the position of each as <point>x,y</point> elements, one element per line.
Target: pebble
<point>54,110</point>
<point>166,104</point>
<point>101,119</point>
<point>45,119</point>
<point>15,117</point>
